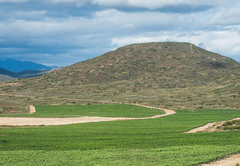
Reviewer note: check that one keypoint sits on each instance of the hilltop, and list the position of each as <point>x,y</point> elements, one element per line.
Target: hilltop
<point>169,74</point>
<point>167,65</point>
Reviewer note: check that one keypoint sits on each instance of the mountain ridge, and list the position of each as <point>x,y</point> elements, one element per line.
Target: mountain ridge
<point>17,66</point>
<point>7,75</point>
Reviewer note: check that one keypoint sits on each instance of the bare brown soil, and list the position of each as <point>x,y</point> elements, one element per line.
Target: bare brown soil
<point>32,109</point>
<point>210,127</point>
<point>201,129</point>
<point>12,121</point>
<point>230,161</point>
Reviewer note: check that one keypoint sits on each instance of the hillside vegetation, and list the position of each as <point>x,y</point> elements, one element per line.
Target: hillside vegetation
<point>170,74</point>
<point>165,65</point>
<point>8,75</point>
<point>5,78</point>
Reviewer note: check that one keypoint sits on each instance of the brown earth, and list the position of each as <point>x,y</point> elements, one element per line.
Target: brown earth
<point>32,109</point>
<point>210,127</point>
<point>231,161</point>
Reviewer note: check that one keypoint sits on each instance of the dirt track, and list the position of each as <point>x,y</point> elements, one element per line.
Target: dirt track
<point>210,127</point>
<point>200,129</point>
<point>12,121</point>
<point>231,161</point>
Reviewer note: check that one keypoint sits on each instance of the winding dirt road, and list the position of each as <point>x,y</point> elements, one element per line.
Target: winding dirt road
<point>14,121</point>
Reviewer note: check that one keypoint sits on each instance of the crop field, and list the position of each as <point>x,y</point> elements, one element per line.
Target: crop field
<point>159,141</point>
<point>106,110</point>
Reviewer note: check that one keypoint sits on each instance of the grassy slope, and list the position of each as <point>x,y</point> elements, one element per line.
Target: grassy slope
<point>5,78</point>
<point>171,75</point>
<point>154,141</point>
<point>91,110</point>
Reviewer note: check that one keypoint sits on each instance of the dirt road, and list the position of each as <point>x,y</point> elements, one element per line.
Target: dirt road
<point>12,121</point>
<point>210,127</point>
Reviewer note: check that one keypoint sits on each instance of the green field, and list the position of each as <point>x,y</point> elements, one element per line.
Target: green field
<point>108,110</point>
<point>158,141</point>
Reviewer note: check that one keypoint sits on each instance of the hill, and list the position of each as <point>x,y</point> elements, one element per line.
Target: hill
<point>170,75</point>
<point>31,73</point>
<point>166,65</point>
<point>17,66</point>
<point>8,75</point>
<point>5,78</point>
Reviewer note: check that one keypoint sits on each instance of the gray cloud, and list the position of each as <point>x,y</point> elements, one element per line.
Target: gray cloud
<point>62,32</point>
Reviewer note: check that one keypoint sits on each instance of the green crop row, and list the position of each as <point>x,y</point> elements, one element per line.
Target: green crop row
<point>171,156</point>
<point>108,110</point>
<point>158,141</point>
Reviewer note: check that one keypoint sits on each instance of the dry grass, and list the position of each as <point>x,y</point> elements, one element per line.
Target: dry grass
<point>169,75</point>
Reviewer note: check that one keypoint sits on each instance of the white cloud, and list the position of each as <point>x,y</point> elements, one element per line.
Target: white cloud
<point>65,0</point>
<point>78,3</point>
<point>110,2</point>
<point>153,4</point>
<point>77,37</point>
<point>11,50</point>
<point>28,15</point>
<point>139,20</point>
<point>225,15</point>
<point>149,4</point>
<point>223,42</point>
<point>13,1</point>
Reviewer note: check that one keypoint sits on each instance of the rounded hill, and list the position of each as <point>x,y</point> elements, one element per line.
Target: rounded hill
<point>167,75</point>
<point>168,64</point>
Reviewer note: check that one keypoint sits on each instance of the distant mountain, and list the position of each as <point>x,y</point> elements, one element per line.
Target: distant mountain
<point>53,67</point>
<point>17,66</point>
<point>6,72</point>
<point>6,75</point>
<point>31,73</point>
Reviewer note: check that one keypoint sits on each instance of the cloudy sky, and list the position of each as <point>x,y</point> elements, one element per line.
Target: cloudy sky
<point>63,32</point>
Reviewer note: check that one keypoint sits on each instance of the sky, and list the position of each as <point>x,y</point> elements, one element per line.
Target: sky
<point>64,32</point>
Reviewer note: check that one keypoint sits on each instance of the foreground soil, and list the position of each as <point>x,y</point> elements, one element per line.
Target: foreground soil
<point>231,161</point>
<point>14,121</point>
<point>210,127</point>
